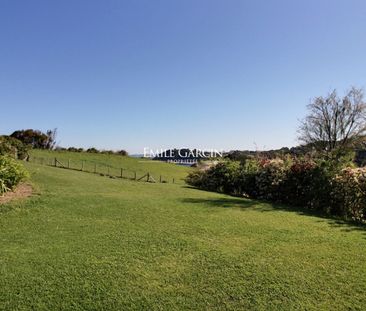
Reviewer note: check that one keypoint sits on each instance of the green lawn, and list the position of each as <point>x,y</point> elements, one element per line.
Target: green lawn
<point>111,164</point>
<point>92,243</point>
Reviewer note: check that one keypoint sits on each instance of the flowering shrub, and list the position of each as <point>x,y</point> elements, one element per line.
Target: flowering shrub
<point>247,178</point>
<point>307,184</point>
<point>11,173</point>
<point>223,177</point>
<point>314,184</point>
<point>270,178</point>
<point>350,193</point>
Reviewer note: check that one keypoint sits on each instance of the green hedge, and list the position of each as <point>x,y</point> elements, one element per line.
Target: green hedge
<point>11,173</point>
<point>334,187</point>
<point>349,193</point>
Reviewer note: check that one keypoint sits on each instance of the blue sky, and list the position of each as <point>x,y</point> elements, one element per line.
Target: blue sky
<point>159,74</point>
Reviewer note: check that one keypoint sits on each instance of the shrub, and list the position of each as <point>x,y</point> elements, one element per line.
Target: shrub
<point>270,178</point>
<point>74,149</point>
<point>247,178</point>
<point>119,152</point>
<point>11,173</point>
<point>307,184</point>
<point>122,152</point>
<point>13,147</point>
<point>350,193</point>
<point>328,185</point>
<point>197,179</point>
<point>92,150</point>
<point>223,177</point>
<point>58,148</point>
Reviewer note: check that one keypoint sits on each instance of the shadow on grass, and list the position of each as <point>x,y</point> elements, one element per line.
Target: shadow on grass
<point>224,202</point>
<point>263,206</point>
<point>333,221</point>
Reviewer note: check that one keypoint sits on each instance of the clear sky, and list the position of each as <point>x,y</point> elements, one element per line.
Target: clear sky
<point>185,73</point>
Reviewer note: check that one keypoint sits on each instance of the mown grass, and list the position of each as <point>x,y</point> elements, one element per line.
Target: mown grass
<point>111,164</point>
<point>92,243</point>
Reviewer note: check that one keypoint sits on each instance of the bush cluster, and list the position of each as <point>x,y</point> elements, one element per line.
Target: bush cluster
<point>93,150</point>
<point>331,186</point>
<point>11,173</point>
<point>13,147</point>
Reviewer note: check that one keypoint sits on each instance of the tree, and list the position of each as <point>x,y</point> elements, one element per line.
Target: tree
<point>51,139</point>
<point>36,138</point>
<point>335,123</point>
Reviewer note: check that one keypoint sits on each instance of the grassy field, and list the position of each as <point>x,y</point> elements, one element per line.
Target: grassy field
<point>111,164</point>
<point>86,242</point>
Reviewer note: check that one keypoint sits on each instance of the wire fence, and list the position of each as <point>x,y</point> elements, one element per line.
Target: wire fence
<point>103,169</point>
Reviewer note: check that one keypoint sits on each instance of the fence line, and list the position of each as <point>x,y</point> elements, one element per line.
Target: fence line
<point>100,169</point>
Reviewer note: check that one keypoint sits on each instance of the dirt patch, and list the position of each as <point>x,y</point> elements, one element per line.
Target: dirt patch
<point>21,191</point>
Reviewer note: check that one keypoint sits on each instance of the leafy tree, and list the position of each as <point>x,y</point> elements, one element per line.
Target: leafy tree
<point>36,138</point>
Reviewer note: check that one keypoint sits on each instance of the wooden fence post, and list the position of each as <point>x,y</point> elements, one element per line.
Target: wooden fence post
<point>135,175</point>
<point>173,180</point>
<point>121,172</point>
<point>107,170</point>
<point>160,179</point>
<point>82,165</point>
<point>55,164</point>
<point>147,176</point>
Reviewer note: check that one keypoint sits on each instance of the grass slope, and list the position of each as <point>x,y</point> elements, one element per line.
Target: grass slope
<point>168,171</point>
<point>92,243</point>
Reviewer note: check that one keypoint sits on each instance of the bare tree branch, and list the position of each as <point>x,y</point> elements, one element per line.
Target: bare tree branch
<point>333,122</point>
